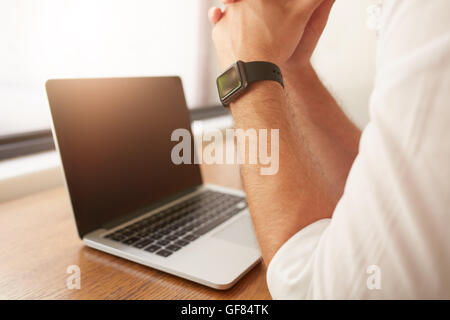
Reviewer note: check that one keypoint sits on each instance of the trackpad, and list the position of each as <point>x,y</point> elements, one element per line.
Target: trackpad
<point>240,232</point>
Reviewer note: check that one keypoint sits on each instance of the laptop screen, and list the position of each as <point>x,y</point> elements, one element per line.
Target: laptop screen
<point>114,137</point>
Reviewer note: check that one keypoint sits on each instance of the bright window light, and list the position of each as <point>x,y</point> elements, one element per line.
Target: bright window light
<point>42,39</point>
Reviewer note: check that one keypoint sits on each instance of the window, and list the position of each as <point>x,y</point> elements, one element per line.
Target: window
<point>42,39</point>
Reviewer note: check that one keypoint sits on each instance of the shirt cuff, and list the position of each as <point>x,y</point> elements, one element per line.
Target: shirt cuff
<point>290,271</point>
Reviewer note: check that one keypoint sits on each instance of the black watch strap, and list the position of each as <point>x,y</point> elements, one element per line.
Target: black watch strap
<point>262,70</point>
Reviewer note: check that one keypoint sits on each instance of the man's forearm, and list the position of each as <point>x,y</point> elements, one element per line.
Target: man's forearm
<point>283,203</point>
<point>320,125</point>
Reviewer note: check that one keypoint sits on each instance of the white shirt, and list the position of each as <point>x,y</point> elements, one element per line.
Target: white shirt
<point>389,236</point>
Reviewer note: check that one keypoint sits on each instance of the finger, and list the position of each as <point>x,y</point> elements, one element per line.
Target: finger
<point>320,16</point>
<point>313,30</point>
<point>229,1</point>
<point>214,15</point>
<point>309,6</point>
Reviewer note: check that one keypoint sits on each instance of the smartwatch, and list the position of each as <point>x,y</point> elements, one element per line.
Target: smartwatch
<point>234,82</point>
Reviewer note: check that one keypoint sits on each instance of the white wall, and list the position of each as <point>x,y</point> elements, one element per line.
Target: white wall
<point>345,57</point>
<point>42,39</point>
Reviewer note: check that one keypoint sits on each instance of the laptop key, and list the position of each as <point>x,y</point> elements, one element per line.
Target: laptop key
<point>164,253</point>
<point>173,247</point>
<point>131,240</point>
<point>190,237</point>
<point>128,233</point>
<point>156,236</point>
<point>170,228</point>
<point>115,237</point>
<point>143,243</point>
<point>163,242</point>
<point>180,233</point>
<point>182,243</point>
<point>152,248</point>
<point>165,231</point>
<point>142,234</point>
<point>171,237</point>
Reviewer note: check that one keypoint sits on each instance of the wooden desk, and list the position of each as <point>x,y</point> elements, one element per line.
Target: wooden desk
<point>38,241</point>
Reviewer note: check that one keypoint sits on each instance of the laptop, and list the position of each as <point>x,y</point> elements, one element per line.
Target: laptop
<point>128,197</point>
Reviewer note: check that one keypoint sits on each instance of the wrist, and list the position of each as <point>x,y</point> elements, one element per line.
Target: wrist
<point>301,81</point>
<point>261,106</point>
<point>240,76</point>
<point>299,74</point>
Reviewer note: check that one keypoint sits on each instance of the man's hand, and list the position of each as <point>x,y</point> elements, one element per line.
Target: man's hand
<point>268,30</point>
<point>284,32</point>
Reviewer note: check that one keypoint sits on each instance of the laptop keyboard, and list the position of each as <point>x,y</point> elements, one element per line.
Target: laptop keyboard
<point>170,230</point>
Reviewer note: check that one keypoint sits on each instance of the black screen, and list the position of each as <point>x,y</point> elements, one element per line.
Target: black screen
<point>114,137</point>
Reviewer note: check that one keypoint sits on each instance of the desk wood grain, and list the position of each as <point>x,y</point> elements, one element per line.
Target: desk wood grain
<point>38,241</point>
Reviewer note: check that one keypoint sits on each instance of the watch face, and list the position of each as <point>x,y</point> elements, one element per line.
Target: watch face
<point>229,82</point>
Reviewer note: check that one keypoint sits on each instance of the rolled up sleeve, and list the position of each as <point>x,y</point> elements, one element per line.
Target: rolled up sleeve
<point>290,271</point>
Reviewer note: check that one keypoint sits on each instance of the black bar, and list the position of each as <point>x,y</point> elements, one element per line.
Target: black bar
<point>226,309</point>
<point>22,144</point>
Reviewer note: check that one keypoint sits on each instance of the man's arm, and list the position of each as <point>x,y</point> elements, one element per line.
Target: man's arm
<point>319,123</point>
<point>299,193</point>
<point>283,203</point>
